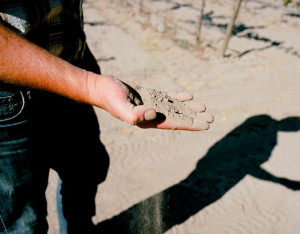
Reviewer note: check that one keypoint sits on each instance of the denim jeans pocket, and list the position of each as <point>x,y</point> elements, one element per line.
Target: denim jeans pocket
<point>11,105</point>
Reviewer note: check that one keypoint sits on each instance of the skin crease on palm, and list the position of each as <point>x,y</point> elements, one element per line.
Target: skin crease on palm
<point>124,104</point>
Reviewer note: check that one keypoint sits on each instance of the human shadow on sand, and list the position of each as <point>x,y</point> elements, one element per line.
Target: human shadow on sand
<point>241,152</point>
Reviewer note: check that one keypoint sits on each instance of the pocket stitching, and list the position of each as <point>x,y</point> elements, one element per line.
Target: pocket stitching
<point>12,106</point>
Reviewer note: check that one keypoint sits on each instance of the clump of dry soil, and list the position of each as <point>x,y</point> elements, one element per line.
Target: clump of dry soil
<point>171,108</point>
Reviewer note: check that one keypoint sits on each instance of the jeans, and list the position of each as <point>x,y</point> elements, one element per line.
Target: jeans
<point>39,131</point>
<point>47,131</point>
<point>23,177</point>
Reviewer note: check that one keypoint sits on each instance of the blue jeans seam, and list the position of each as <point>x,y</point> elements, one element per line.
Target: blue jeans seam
<point>3,224</point>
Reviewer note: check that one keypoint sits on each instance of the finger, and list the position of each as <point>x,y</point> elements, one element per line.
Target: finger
<point>205,116</point>
<point>133,114</point>
<point>129,83</point>
<point>145,113</point>
<point>182,96</point>
<point>139,114</point>
<point>137,101</point>
<point>134,96</point>
<point>200,125</point>
<point>198,107</point>
<point>196,125</point>
<point>163,123</point>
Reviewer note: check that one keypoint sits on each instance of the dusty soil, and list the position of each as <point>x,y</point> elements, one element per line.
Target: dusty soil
<point>171,108</point>
<point>241,176</point>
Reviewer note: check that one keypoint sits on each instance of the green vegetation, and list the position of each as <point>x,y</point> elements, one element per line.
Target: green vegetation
<point>287,2</point>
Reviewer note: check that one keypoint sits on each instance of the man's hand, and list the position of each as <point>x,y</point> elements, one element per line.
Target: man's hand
<point>119,99</point>
<point>25,64</point>
<point>124,103</point>
<point>201,122</point>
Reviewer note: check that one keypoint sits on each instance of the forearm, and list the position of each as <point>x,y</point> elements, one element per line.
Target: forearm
<point>25,64</point>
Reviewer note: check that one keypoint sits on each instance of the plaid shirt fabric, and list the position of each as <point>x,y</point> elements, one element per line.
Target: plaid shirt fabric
<point>55,25</point>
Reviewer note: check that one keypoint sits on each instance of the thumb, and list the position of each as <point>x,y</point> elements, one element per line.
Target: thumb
<point>144,113</point>
<point>138,114</point>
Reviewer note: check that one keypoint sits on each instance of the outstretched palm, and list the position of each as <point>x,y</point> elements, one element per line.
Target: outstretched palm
<point>124,103</point>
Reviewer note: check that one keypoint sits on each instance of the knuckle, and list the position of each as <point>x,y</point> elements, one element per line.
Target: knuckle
<point>132,119</point>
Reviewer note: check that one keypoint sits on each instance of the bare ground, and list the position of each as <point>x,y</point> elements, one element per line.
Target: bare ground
<point>241,176</point>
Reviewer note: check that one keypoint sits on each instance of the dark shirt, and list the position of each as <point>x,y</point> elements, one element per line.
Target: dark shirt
<point>55,25</point>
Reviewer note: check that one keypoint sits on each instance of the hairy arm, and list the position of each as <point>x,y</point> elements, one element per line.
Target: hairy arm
<point>24,63</point>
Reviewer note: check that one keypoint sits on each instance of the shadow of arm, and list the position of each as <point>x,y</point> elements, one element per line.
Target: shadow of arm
<point>265,175</point>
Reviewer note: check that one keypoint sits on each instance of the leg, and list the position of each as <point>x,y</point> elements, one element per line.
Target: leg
<point>76,153</point>
<point>63,225</point>
<point>88,167</point>
<point>23,175</point>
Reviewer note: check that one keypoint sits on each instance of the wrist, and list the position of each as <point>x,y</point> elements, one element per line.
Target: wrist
<point>89,90</point>
<point>94,88</point>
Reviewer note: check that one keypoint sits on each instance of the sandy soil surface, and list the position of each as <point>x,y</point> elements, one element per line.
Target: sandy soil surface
<point>240,176</point>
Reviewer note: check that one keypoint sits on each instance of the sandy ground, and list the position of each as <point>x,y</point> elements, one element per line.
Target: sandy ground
<point>241,176</point>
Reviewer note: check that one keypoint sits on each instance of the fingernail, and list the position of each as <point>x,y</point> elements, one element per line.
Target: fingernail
<point>150,115</point>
